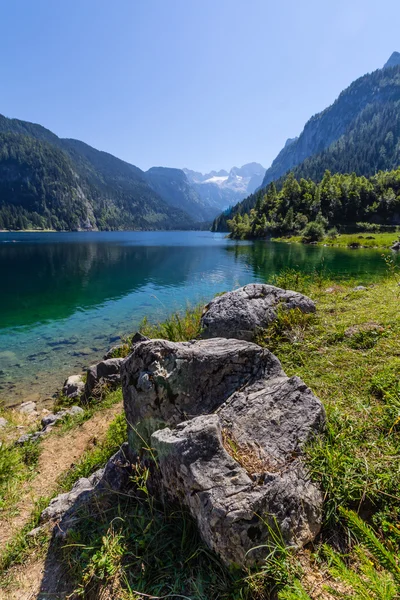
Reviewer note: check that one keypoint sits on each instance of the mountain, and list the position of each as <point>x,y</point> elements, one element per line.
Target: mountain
<point>173,186</point>
<point>222,189</point>
<point>393,61</point>
<point>359,132</point>
<point>49,182</point>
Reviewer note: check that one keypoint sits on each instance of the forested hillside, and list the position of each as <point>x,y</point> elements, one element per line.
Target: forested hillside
<point>359,133</point>
<point>306,207</point>
<point>48,182</point>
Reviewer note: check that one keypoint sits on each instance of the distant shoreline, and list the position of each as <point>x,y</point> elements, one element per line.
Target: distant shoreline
<point>28,231</point>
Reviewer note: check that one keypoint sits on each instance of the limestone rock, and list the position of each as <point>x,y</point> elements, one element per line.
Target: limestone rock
<point>265,426</point>
<point>234,457</point>
<point>3,422</point>
<point>48,422</point>
<point>238,314</point>
<point>28,408</point>
<point>74,386</point>
<point>396,246</point>
<point>52,418</point>
<point>167,382</point>
<point>106,372</point>
<point>112,351</point>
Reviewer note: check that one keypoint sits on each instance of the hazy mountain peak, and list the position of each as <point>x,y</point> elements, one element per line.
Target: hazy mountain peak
<point>393,61</point>
<point>225,188</point>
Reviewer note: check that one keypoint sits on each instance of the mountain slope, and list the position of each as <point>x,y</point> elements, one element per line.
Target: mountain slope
<point>49,182</point>
<point>359,132</point>
<point>326,127</point>
<point>173,186</point>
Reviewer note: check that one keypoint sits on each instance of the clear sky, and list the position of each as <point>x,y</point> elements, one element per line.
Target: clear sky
<point>203,84</point>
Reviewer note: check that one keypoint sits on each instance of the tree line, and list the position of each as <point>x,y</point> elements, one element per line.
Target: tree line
<point>342,201</point>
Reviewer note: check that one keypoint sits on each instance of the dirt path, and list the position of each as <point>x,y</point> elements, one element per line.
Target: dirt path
<point>58,454</point>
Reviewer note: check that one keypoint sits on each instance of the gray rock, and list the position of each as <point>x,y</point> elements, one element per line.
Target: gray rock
<point>74,411</point>
<point>64,509</point>
<point>262,417</point>
<point>52,418</point>
<point>111,352</point>
<point>3,422</point>
<point>237,502</point>
<point>240,313</point>
<point>166,382</point>
<point>359,288</point>
<point>28,408</point>
<point>29,437</point>
<point>138,337</point>
<point>106,372</point>
<point>396,246</point>
<point>73,386</point>
<point>33,533</point>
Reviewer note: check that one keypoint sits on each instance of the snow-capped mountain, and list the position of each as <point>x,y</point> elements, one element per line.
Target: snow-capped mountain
<point>222,189</point>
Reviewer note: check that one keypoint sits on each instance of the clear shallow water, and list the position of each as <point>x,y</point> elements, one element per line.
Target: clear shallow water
<point>66,297</point>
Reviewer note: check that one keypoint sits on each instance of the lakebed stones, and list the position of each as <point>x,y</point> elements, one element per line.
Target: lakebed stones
<point>104,373</point>
<point>73,386</point>
<point>166,382</point>
<point>240,313</point>
<point>232,451</point>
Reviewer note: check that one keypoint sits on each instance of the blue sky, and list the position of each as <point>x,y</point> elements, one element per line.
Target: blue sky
<point>203,84</point>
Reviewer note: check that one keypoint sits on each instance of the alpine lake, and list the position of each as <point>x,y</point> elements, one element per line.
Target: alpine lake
<point>67,297</point>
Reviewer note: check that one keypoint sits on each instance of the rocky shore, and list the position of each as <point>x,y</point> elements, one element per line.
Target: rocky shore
<point>219,424</point>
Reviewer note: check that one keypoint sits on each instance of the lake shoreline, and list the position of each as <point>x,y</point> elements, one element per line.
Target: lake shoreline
<point>81,292</point>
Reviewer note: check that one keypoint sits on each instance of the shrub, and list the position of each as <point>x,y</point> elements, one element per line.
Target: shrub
<point>332,233</point>
<point>313,232</point>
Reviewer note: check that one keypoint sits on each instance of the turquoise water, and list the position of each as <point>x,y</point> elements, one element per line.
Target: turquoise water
<point>66,297</point>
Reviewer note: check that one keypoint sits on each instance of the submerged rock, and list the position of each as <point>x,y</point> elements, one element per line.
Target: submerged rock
<point>240,313</point>
<point>232,453</point>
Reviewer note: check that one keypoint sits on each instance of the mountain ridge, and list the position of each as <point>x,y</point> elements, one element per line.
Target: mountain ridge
<point>334,137</point>
<point>56,183</point>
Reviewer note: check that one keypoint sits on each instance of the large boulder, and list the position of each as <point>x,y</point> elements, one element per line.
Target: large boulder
<point>228,428</point>
<point>167,382</point>
<point>104,373</point>
<point>240,313</point>
<point>238,509</point>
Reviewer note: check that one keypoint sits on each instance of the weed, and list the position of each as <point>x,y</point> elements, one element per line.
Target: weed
<point>179,327</point>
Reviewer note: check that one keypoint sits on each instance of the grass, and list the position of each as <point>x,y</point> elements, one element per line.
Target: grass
<point>96,458</point>
<point>349,240</point>
<point>17,550</point>
<point>18,464</point>
<point>348,353</point>
<point>179,327</point>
